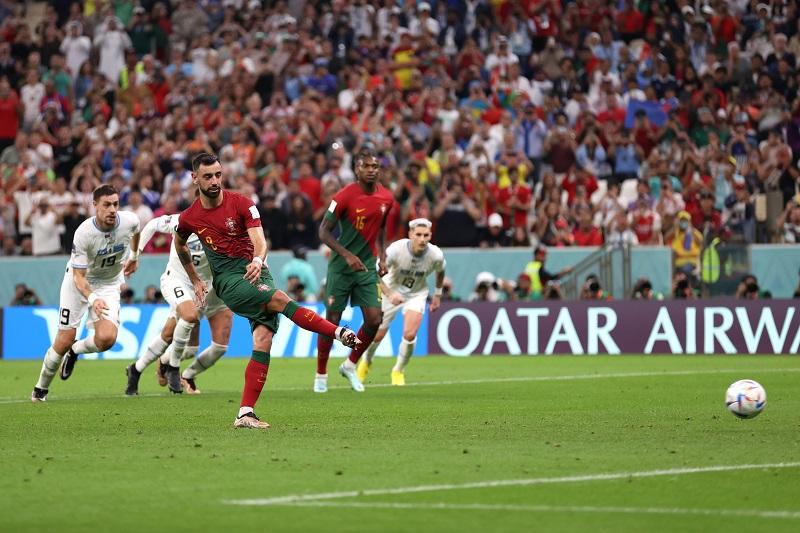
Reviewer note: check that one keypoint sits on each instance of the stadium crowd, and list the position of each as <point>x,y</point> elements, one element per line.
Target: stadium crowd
<point>507,123</point>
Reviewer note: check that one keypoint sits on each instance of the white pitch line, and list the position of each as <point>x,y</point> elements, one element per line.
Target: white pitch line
<point>521,379</point>
<point>552,509</point>
<point>609,476</point>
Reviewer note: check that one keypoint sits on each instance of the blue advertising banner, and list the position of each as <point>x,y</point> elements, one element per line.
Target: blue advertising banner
<point>29,331</point>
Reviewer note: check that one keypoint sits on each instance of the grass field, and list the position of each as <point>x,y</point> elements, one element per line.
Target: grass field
<point>473,444</point>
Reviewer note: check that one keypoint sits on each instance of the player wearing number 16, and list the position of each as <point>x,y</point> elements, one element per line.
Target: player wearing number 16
<point>104,252</point>
<point>229,227</point>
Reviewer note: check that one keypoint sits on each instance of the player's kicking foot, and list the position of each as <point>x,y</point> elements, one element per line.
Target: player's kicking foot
<point>133,380</point>
<point>39,395</point>
<point>68,364</point>
<point>190,386</point>
<point>321,383</point>
<point>161,373</point>
<point>249,421</point>
<point>350,375</point>
<point>398,378</point>
<point>362,369</point>
<point>173,375</point>
<point>347,337</point>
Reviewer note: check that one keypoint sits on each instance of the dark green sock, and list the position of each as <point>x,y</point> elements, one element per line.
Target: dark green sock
<point>290,309</point>
<point>261,357</point>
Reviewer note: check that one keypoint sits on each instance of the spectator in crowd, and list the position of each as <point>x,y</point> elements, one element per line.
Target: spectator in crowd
<point>643,290</point>
<point>486,288</point>
<point>494,235</point>
<point>24,295</point>
<point>44,223</point>
<point>682,286</point>
<point>152,295</point>
<point>687,243</point>
<point>592,290</point>
<point>748,288</point>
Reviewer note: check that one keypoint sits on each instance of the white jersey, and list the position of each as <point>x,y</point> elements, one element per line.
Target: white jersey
<point>102,253</point>
<point>408,273</point>
<point>169,224</point>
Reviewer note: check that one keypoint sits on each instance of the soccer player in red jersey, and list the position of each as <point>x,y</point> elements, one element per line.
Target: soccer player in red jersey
<point>229,226</point>
<point>360,209</point>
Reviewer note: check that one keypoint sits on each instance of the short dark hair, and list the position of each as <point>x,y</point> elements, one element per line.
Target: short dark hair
<point>367,151</point>
<point>203,159</point>
<point>104,190</point>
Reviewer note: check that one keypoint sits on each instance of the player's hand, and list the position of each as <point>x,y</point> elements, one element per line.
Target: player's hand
<point>253,272</point>
<point>436,301</point>
<point>200,291</point>
<point>382,268</point>
<point>99,306</point>
<point>131,266</point>
<point>396,298</point>
<point>355,263</point>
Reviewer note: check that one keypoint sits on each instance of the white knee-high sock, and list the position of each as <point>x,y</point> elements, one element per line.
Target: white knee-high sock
<point>189,352</point>
<point>165,357</point>
<point>182,332</point>
<point>49,368</point>
<point>154,351</point>
<point>370,353</point>
<point>86,345</point>
<point>205,360</point>
<point>404,354</point>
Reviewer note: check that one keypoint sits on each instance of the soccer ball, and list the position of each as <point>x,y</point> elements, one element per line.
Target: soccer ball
<point>746,398</point>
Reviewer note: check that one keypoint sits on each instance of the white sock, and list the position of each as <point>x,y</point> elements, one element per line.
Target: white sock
<point>321,376</point>
<point>182,332</point>
<point>164,359</point>
<point>348,364</point>
<point>86,345</point>
<point>244,410</point>
<point>370,353</point>
<point>154,351</point>
<point>404,354</point>
<point>49,368</point>
<point>205,360</point>
<point>189,352</point>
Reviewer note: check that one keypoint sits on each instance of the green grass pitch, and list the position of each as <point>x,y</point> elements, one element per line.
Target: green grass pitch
<point>472,444</point>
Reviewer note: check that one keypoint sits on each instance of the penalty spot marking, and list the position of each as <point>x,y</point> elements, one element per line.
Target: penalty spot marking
<point>521,379</point>
<point>552,509</point>
<point>609,476</point>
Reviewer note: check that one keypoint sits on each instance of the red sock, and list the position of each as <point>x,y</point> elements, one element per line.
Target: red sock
<point>308,319</point>
<point>324,345</point>
<point>255,375</point>
<point>366,340</point>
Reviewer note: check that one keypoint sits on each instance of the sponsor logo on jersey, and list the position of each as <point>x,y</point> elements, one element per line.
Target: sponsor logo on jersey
<point>262,287</point>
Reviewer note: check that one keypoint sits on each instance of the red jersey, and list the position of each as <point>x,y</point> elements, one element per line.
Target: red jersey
<point>361,216</point>
<point>222,229</point>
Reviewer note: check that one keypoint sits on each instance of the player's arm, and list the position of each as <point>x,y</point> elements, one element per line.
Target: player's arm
<point>327,238</point>
<point>382,268</point>
<point>394,297</point>
<point>133,258</point>
<point>253,272</point>
<point>185,257</point>
<point>436,301</point>
<point>82,284</point>
<point>162,224</point>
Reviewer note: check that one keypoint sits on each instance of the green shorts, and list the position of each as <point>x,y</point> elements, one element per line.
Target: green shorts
<point>361,288</point>
<point>246,299</point>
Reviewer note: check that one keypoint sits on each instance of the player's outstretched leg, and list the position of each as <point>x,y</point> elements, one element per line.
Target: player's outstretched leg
<point>50,365</point>
<point>204,361</point>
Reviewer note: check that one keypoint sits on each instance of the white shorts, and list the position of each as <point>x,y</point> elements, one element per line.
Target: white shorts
<point>177,290</point>
<point>72,304</point>
<point>415,303</point>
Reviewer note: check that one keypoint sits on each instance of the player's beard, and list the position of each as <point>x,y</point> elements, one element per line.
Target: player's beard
<point>211,192</point>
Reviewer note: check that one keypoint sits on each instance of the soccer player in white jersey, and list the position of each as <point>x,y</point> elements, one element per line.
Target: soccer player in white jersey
<point>104,252</point>
<point>181,326</point>
<point>405,287</point>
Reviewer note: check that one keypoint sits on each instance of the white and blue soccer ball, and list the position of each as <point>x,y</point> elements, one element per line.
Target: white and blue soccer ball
<point>746,398</point>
